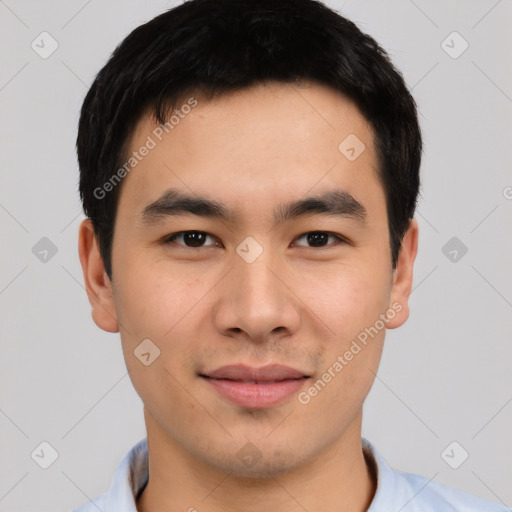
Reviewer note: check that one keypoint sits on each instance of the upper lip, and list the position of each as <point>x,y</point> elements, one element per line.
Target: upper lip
<point>272,372</point>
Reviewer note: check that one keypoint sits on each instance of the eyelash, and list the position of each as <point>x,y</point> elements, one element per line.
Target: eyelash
<point>172,237</point>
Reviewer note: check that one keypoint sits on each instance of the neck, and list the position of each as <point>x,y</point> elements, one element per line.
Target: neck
<point>338,479</point>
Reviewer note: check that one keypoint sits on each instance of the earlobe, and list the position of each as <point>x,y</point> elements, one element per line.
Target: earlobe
<point>403,276</point>
<point>97,283</point>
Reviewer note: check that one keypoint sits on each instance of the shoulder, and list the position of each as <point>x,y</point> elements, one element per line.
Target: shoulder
<point>131,475</point>
<point>98,503</point>
<point>407,492</point>
<point>427,495</point>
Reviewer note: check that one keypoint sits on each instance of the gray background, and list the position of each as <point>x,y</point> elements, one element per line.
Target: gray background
<point>445,376</point>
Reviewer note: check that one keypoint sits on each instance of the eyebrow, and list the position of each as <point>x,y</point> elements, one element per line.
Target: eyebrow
<point>174,202</point>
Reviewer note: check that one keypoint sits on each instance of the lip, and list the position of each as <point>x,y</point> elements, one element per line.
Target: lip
<point>255,388</point>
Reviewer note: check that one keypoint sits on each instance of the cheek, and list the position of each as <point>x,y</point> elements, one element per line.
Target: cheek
<point>167,306</point>
<point>349,301</point>
<point>343,383</point>
<point>155,300</point>
<point>347,298</point>
<point>156,306</point>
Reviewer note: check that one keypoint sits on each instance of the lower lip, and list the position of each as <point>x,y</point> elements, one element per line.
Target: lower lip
<point>256,396</point>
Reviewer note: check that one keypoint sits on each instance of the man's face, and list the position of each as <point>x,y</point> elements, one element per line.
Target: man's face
<point>253,289</point>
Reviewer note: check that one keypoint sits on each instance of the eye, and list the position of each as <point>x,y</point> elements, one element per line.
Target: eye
<point>320,239</point>
<point>197,239</point>
<point>190,239</point>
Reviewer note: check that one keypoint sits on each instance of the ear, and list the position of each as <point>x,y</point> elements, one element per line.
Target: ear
<point>402,277</point>
<point>97,283</point>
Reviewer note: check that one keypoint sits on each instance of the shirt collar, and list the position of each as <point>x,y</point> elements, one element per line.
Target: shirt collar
<point>132,474</point>
<point>384,475</point>
<point>129,480</point>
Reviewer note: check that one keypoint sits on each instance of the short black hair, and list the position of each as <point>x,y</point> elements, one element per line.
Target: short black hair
<point>220,46</point>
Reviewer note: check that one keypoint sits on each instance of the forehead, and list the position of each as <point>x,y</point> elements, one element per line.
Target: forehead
<point>267,142</point>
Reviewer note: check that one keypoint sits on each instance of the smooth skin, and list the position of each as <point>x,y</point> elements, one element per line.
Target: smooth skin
<point>297,304</point>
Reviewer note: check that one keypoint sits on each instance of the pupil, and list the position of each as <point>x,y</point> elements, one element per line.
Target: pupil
<point>317,239</point>
<point>194,239</point>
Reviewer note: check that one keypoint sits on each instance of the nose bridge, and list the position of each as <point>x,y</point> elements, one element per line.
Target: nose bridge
<point>256,301</point>
<point>258,288</point>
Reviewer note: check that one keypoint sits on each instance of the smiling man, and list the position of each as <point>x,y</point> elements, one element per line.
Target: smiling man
<point>249,170</point>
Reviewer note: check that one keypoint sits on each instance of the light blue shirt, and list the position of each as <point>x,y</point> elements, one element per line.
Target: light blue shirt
<point>396,491</point>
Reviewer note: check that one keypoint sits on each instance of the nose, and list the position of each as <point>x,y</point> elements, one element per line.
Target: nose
<point>256,303</point>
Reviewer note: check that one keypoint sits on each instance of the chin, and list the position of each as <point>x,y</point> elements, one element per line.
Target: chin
<point>249,462</point>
